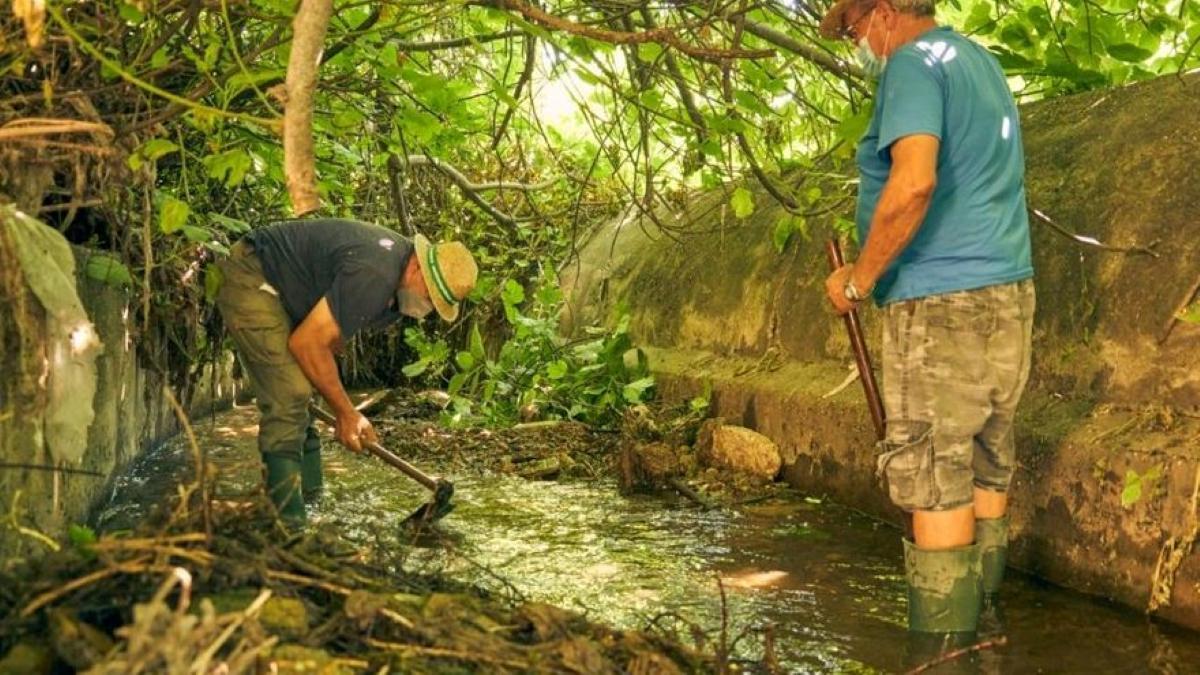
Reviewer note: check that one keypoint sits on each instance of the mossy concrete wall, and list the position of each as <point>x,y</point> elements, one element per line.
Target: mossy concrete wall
<point>1115,392</point>
<point>131,413</point>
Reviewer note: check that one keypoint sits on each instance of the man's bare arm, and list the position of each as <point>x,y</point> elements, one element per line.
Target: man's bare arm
<point>313,344</point>
<point>902,206</point>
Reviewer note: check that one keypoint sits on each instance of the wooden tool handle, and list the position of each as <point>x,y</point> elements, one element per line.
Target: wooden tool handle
<point>833,251</point>
<point>383,453</point>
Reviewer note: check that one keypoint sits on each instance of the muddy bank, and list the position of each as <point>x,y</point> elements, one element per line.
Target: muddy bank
<point>1109,442</point>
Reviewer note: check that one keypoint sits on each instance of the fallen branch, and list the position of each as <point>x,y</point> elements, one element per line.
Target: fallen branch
<point>950,656</point>
<point>438,652</point>
<point>688,491</point>
<point>133,566</point>
<point>1170,558</point>
<point>1179,310</point>
<point>27,531</point>
<point>199,460</point>
<point>40,126</point>
<point>1092,241</point>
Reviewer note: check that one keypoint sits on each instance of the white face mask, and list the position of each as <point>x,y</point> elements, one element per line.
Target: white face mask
<point>872,63</point>
<point>413,305</point>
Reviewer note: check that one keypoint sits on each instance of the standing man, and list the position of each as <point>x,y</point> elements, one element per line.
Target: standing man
<point>292,293</point>
<point>941,214</point>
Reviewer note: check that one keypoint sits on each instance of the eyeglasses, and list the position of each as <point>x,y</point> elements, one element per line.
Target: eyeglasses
<point>851,31</point>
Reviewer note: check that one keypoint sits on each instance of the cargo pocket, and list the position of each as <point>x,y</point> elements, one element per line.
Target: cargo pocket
<point>908,467</point>
<point>263,341</point>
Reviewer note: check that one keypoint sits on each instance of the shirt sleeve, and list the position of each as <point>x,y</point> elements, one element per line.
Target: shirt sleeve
<point>911,97</point>
<point>358,296</point>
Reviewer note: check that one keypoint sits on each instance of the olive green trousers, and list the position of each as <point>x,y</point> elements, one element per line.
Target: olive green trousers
<point>259,325</point>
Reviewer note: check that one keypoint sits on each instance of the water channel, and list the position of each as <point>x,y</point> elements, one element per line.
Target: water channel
<point>827,578</point>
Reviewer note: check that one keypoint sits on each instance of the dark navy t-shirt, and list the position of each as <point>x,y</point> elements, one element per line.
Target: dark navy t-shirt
<point>354,265</point>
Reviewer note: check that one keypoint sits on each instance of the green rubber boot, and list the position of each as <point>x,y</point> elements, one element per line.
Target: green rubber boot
<point>991,534</point>
<point>283,487</point>
<point>944,589</point>
<point>312,482</point>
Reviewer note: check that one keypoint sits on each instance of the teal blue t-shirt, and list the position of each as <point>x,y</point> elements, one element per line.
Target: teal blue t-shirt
<point>976,232</point>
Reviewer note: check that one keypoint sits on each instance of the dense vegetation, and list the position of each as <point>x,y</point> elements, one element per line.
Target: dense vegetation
<point>149,131</point>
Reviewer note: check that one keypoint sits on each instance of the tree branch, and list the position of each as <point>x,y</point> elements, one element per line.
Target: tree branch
<point>526,76</point>
<point>438,45</point>
<point>462,181</point>
<point>662,36</point>
<point>852,74</point>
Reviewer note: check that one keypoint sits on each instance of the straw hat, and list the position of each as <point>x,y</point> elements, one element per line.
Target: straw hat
<point>449,271</point>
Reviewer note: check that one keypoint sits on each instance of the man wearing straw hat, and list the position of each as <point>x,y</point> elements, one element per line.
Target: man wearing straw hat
<point>292,293</point>
<point>945,251</point>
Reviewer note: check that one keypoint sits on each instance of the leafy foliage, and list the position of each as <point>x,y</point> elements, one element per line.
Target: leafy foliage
<point>188,91</point>
<point>536,371</point>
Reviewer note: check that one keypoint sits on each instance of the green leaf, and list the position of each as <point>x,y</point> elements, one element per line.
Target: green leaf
<point>464,360</point>
<point>107,269</point>
<point>477,343</point>
<point>782,233</point>
<point>172,215</point>
<point>456,383</point>
<point>81,535</point>
<point>513,293</point>
<point>416,368</point>
<point>131,14</point>
<point>229,166</point>
<point>557,370</point>
<point>1133,489</point>
<point>1010,60</point>
<point>742,202</point>
<point>1129,53</point>
<point>649,51</point>
<point>230,224</point>
<point>1136,486</point>
<point>751,103</point>
<point>633,391</point>
<point>150,151</point>
<point>197,234</point>
<point>854,126</point>
<point>1191,314</point>
<point>651,98</point>
<point>213,278</point>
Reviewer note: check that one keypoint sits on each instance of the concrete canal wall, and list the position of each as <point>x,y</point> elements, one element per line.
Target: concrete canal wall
<point>1109,430</point>
<point>55,464</point>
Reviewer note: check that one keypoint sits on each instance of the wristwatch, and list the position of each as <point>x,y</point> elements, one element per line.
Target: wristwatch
<point>852,292</point>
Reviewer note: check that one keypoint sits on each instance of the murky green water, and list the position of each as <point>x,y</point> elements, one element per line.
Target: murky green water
<point>828,579</point>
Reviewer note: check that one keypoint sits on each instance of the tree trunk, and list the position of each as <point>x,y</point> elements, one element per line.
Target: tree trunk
<point>308,31</point>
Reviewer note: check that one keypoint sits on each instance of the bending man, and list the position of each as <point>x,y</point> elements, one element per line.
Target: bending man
<point>293,293</point>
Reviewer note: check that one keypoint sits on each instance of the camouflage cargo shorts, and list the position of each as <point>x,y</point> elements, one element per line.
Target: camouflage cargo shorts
<point>954,368</point>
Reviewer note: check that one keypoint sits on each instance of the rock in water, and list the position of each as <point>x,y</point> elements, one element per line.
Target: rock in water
<point>735,448</point>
